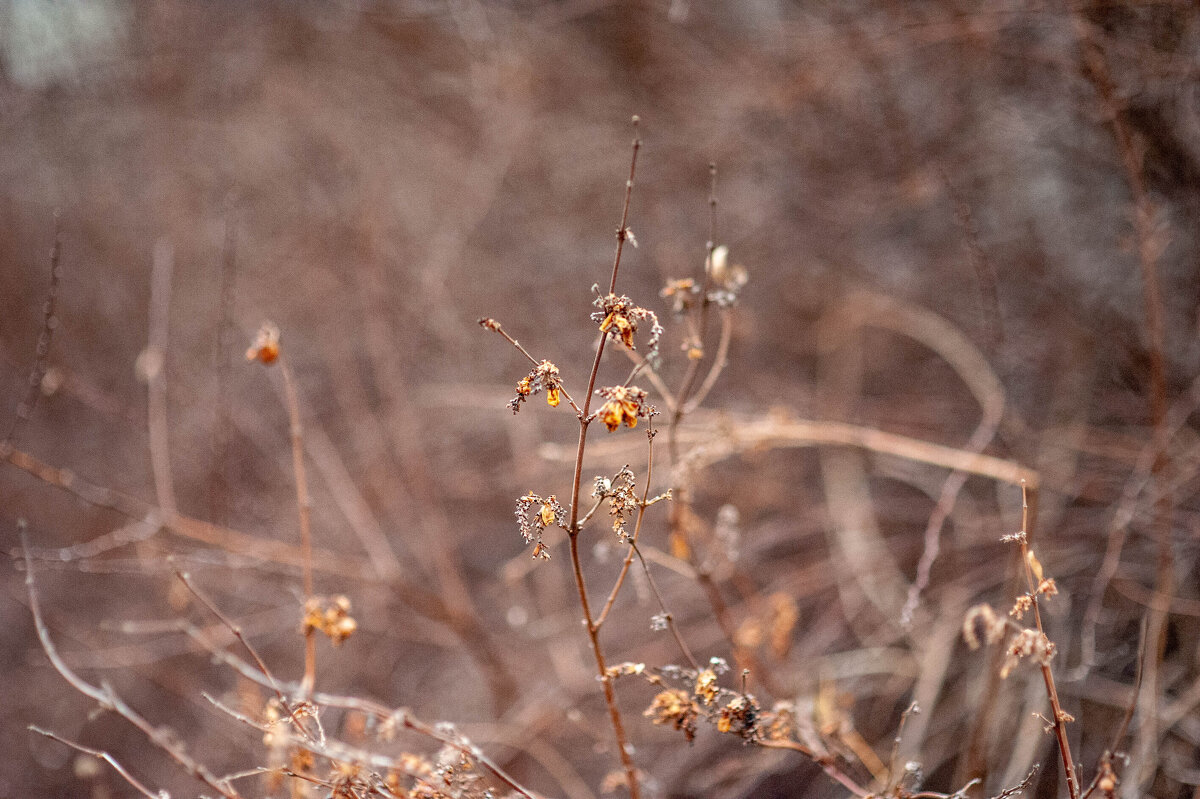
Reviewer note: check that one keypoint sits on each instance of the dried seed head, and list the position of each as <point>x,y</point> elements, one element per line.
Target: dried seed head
<point>330,616</point>
<point>544,376</point>
<point>681,293</point>
<point>673,706</point>
<point>727,279</point>
<point>619,317</point>
<point>265,347</point>
<point>623,406</point>
<point>533,523</point>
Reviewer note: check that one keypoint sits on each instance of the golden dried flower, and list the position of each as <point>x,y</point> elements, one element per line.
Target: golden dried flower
<point>706,686</point>
<point>265,347</point>
<point>623,406</point>
<point>676,708</point>
<point>740,717</point>
<point>619,317</point>
<point>1035,566</point>
<point>624,325</point>
<point>533,523</point>
<point>330,617</point>
<point>544,376</point>
<point>727,279</point>
<point>681,293</point>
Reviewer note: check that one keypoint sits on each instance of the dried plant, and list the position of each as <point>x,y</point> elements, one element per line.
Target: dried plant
<point>774,615</point>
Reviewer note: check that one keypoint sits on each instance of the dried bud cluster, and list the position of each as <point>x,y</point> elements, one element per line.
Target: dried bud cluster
<point>331,616</point>
<point>699,696</point>
<point>727,280</point>
<point>620,318</point>
<point>265,347</point>
<point>982,621</point>
<point>534,514</point>
<point>622,502</point>
<point>681,293</point>
<point>543,376</point>
<point>623,405</point>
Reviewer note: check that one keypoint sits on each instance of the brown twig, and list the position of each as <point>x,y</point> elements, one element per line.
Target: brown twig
<point>108,699</point>
<point>154,370</point>
<point>1060,716</point>
<point>102,755</point>
<point>398,716</point>
<point>304,507</point>
<point>823,760</point>
<point>623,749</point>
<point>49,323</point>
<point>237,633</point>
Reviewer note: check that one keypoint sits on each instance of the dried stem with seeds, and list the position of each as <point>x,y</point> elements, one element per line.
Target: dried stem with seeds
<point>585,419</point>
<point>1060,716</point>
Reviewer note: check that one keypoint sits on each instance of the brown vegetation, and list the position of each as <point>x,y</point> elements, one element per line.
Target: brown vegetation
<point>863,467</point>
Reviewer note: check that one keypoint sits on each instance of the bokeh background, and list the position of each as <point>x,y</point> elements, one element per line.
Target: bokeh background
<point>374,177</point>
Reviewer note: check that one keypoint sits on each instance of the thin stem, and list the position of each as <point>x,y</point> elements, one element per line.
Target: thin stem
<point>623,232</point>
<point>693,369</point>
<point>720,361</point>
<point>637,529</point>
<point>102,755</point>
<point>49,322</point>
<point>573,526</point>
<point>107,698</point>
<point>493,325</point>
<point>1060,717</point>
<point>237,633</point>
<point>163,263</point>
<point>304,506</point>
<point>670,618</point>
<point>822,760</point>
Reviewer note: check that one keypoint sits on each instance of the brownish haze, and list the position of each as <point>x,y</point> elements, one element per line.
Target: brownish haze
<point>949,212</point>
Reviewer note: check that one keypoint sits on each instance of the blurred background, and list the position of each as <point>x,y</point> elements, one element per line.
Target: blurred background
<point>945,210</point>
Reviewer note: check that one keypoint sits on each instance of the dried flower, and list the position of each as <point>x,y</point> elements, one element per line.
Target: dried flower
<point>681,293</point>
<point>619,318</point>
<point>532,523</point>
<point>740,716</point>
<point>622,502</point>
<point>781,721</point>
<point>706,686</point>
<point>265,347</point>
<point>623,406</point>
<point>673,706</point>
<point>1035,566</point>
<point>1027,644</point>
<point>726,279</point>
<point>331,616</point>
<point>543,376</point>
<point>1021,606</point>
